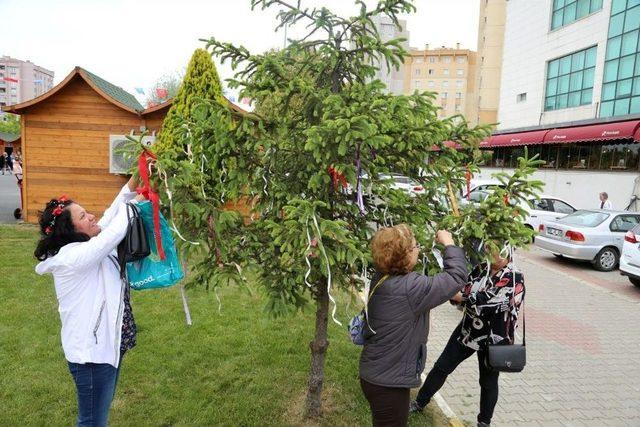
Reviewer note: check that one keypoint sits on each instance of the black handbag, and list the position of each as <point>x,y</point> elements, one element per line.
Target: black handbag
<point>135,245</point>
<point>510,357</point>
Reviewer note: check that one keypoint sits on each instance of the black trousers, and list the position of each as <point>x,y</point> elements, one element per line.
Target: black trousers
<point>389,405</point>
<point>453,354</point>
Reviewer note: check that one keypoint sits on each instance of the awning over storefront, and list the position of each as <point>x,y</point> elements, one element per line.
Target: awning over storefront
<point>629,130</point>
<point>516,139</point>
<point>600,132</point>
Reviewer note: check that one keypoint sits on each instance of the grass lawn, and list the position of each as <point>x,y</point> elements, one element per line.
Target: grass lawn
<point>236,367</point>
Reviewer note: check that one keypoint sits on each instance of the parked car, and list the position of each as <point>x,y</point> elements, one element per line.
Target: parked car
<point>404,183</point>
<point>478,185</point>
<point>545,208</point>
<point>630,259</point>
<point>589,235</point>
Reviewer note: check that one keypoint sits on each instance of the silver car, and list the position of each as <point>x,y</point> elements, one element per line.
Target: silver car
<point>590,235</point>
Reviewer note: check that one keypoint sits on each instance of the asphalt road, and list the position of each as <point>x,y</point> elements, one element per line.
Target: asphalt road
<point>9,198</point>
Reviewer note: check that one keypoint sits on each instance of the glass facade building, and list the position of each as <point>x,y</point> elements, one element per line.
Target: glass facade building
<point>621,80</point>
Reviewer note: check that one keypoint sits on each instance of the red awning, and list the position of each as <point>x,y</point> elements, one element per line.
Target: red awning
<point>636,137</point>
<point>516,139</point>
<point>601,132</point>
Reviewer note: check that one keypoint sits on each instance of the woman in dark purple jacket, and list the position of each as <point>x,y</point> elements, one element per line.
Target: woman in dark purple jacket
<point>393,356</point>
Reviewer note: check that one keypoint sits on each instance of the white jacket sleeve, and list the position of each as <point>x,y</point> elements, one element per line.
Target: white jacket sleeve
<point>125,195</point>
<point>97,248</point>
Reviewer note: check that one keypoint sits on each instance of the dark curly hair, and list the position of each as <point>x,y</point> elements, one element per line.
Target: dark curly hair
<point>56,231</point>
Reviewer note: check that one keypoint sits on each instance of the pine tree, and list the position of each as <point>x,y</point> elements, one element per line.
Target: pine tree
<point>201,82</point>
<point>312,162</point>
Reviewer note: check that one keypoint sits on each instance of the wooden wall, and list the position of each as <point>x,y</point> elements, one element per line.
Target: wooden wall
<point>65,145</point>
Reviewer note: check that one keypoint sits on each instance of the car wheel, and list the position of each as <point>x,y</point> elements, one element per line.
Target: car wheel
<point>636,282</point>
<point>606,260</point>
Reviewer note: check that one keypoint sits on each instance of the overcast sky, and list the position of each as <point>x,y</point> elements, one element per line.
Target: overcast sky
<point>132,43</point>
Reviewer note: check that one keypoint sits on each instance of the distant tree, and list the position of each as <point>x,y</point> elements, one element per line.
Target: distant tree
<point>170,83</point>
<point>10,123</point>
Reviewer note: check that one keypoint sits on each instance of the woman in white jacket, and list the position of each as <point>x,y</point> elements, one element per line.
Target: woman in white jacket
<point>97,322</point>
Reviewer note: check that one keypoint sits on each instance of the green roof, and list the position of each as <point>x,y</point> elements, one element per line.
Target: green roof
<point>115,92</point>
<point>8,137</point>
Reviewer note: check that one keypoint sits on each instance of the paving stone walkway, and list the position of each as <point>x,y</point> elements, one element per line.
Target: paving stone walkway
<point>583,355</point>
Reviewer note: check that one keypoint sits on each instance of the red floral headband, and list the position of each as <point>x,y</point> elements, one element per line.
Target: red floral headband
<point>59,204</point>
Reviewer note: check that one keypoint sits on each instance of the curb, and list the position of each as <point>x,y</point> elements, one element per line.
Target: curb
<point>451,416</point>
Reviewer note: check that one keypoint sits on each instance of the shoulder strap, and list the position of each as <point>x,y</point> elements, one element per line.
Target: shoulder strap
<point>382,279</point>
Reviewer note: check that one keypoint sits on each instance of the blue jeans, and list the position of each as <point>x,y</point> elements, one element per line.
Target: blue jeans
<point>96,386</point>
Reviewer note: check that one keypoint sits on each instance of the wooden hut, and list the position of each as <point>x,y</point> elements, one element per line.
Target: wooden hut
<point>66,140</point>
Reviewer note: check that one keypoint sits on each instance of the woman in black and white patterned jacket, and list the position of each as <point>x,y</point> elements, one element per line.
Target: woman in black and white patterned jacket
<point>491,301</point>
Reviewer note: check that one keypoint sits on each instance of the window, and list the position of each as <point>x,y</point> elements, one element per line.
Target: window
<point>561,207</point>
<point>521,97</point>
<point>417,72</point>
<point>570,80</point>
<point>623,223</point>
<point>460,73</point>
<point>419,60</point>
<point>459,83</point>
<point>443,95</point>
<point>564,12</point>
<point>431,83</point>
<point>445,84</point>
<point>542,205</point>
<point>432,59</point>
<point>621,80</point>
<point>446,59</point>
<point>457,108</point>
<point>460,59</point>
<point>445,72</point>
<point>458,95</point>
<point>431,71</point>
<point>416,84</point>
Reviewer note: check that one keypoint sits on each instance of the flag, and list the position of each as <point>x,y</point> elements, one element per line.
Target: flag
<point>162,93</point>
<point>9,79</point>
<point>140,90</point>
<point>38,81</point>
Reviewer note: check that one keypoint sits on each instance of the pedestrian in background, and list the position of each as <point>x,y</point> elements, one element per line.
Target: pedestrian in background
<point>9,163</point>
<point>393,356</point>
<point>3,162</point>
<point>605,203</point>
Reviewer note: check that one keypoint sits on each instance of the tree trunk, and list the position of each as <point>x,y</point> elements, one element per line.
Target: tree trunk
<point>318,346</point>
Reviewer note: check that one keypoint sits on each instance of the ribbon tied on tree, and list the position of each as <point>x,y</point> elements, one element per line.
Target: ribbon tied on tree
<point>143,161</point>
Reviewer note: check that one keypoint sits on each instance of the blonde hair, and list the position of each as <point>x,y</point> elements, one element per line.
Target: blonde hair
<point>391,247</point>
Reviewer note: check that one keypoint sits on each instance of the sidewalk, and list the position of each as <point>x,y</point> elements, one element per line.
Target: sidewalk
<point>583,344</point>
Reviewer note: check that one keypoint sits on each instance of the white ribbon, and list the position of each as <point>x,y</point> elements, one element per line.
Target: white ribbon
<point>326,259</point>
<point>306,257</point>
<point>163,177</point>
<point>204,159</point>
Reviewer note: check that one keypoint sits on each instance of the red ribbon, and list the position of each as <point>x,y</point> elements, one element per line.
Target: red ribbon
<point>468,177</point>
<point>337,177</point>
<point>148,192</point>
